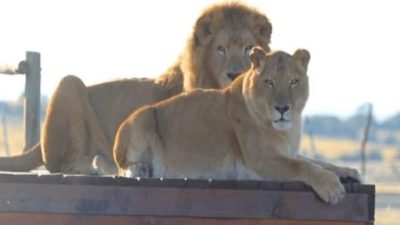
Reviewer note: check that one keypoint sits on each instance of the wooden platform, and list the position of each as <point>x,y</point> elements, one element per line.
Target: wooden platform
<point>61,200</point>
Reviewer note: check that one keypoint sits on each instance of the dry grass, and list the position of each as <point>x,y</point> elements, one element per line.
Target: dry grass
<point>16,139</point>
<point>387,216</point>
<point>333,148</point>
<point>392,188</point>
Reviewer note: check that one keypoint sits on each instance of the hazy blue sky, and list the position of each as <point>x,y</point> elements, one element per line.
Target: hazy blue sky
<point>354,44</point>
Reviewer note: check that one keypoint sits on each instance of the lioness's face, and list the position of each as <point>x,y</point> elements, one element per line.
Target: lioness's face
<point>230,54</point>
<point>281,86</point>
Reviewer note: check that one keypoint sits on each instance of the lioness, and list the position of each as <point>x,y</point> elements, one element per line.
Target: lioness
<point>249,130</point>
<point>81,121</point>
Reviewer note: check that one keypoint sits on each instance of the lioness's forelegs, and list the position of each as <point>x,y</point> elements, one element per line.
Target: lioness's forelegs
<point>133,145</point>
<point>343,172</point>
<point>281,168</point>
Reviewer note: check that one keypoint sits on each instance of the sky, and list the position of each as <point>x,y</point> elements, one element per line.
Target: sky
<point>354,45</point>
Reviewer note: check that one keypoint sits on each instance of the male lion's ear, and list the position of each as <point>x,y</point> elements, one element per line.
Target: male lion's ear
<point>303,56</point>
<point>203,29</point>
<point>263,28</point>
<point>257,56</point>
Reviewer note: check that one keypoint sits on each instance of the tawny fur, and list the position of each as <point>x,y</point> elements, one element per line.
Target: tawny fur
<point>81,121</point>
<point>234,133</point>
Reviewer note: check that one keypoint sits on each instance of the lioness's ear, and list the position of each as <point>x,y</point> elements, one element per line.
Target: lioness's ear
<point>303,56</point>
<point>203,29</point>
<point>257,58</point>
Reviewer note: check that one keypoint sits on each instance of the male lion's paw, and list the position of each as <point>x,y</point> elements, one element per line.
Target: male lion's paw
<point>141,169</point>
<point>138,170</point>
<point>329,188</point>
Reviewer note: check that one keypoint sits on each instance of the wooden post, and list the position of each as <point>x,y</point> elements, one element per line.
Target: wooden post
<point>32,100</point>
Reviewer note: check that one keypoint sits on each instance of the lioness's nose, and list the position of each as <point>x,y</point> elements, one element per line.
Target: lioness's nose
<point>281,108</point>
<point>233,75</point>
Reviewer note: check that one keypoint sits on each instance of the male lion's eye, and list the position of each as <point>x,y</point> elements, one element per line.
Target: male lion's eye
<point>268,82</point>
<point>221,49</point>
<point>294,82</point>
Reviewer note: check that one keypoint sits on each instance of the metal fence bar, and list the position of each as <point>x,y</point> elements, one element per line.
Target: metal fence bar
<point>364,142</point>
<point>12,70</point>
<point>31,68</point>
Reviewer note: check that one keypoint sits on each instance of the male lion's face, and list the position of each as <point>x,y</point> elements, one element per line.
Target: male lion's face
<point>229,54</point>
<point>280,85</point>
<point>219,48</point>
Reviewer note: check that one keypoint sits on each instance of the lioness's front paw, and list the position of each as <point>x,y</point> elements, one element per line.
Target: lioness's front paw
<point>346,172</point>
<point>329,188</point>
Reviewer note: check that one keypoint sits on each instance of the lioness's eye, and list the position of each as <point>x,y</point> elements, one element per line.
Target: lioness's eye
<point>248,48</point>
<point>221,49</point>
<point>294,82</point>
<point>268,82</point>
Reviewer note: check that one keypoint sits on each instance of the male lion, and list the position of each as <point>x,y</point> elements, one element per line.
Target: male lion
<point>251,129</point>
<point>81,121</point>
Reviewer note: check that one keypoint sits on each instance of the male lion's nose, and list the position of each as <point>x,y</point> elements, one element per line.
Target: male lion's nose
<point>233,75</point>
<point>281,108</point>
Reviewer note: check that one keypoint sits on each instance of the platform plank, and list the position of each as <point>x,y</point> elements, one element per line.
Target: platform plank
<point>82,196</point>
<point>67,219</point>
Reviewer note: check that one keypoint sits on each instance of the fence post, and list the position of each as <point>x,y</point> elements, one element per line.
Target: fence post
<point>32,100</point>
<point>364,142</point>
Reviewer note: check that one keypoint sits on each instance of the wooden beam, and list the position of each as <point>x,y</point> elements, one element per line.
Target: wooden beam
<point>32,100</point>
<point>67,219</point>
<point>192,202</point>
<point>108,196</point>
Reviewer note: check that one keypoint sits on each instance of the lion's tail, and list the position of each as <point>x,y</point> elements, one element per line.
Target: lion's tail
<point>27,161</point>
<point>121,146</point>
